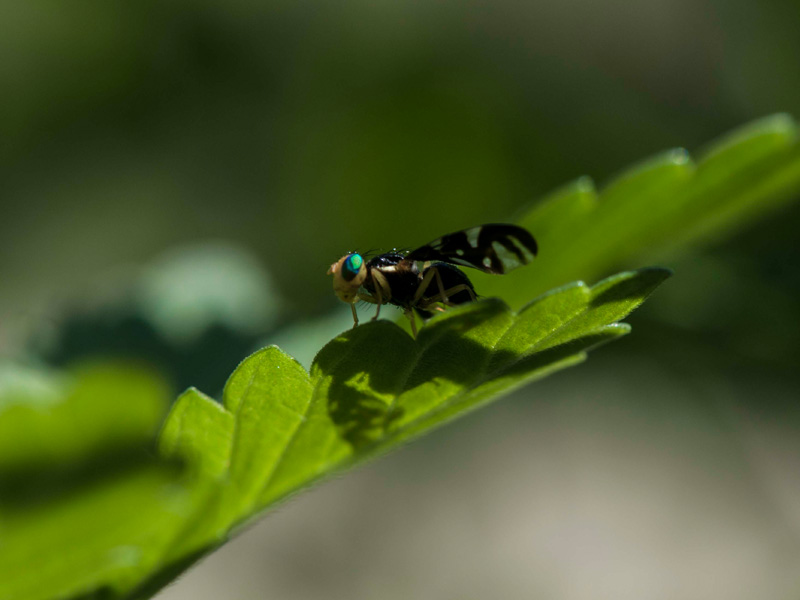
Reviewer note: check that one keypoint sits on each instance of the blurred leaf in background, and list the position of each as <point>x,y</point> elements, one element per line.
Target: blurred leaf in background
<point>191,313</point>
<point>78,474</point>
<point>49,419</point>
<point>662,208</point>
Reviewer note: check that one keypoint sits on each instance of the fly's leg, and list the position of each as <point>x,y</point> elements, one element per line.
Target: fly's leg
<point>367,298</point>
<point>470,291</point>
<point>410,314</point>
<point>378,301</point>
<point>381,288</point>
<point>443,297</point>
<point>426,282</point>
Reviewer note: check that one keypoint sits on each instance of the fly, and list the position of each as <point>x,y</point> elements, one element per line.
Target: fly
<point>428,278</point>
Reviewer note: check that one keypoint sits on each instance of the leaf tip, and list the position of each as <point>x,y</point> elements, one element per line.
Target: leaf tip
<point>584,185</point>
<point>618,329</point>
<point>632,287</point>
<point>677,156</point>
<point>781,127</point>
<point>778,123</point>
<point>676,162</point>
<point>655,273</point>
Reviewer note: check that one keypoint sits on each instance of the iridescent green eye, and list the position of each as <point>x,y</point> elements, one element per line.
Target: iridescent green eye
<point>352,265</point>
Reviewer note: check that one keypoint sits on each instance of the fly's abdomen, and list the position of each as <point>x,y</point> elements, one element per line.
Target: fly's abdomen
<point>452,277</point>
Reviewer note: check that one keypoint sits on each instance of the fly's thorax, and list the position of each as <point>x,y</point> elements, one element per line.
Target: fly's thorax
<point>349,273</point>
<point>393,278</point>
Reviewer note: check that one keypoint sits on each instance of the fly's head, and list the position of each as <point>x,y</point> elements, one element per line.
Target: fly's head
<point>349,273</point>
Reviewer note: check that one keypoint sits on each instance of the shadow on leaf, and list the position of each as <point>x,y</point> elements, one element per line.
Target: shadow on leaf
<point>369,367</point>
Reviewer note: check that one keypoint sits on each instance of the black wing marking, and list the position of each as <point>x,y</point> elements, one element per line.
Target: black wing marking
<point>493,248</point>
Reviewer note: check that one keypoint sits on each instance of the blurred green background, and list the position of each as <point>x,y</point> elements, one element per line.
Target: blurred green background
<point>177,177</point>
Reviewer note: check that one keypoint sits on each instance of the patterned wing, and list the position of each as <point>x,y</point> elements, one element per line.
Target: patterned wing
<point>493,248</point>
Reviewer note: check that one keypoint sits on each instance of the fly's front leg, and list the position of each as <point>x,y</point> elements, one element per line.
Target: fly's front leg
<point>372,300</point>
<point>379,302</point>
<point>381,289</point>
<point>355,316</point>
<point>367,297</point>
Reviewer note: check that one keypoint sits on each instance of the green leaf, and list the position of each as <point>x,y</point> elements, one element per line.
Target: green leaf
<point>198,430</point>
<point>50,420</point>
<point>106,535</point>
<point>373,388</point>
<point>656,209</point>
<point>83,503</point>
<point>269,394</point>
<point>280,428</point>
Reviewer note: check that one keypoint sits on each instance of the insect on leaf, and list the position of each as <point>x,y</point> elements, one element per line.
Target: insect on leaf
<point>374,387</point>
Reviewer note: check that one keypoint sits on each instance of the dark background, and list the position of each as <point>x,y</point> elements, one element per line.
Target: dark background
<point>177,177</point>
